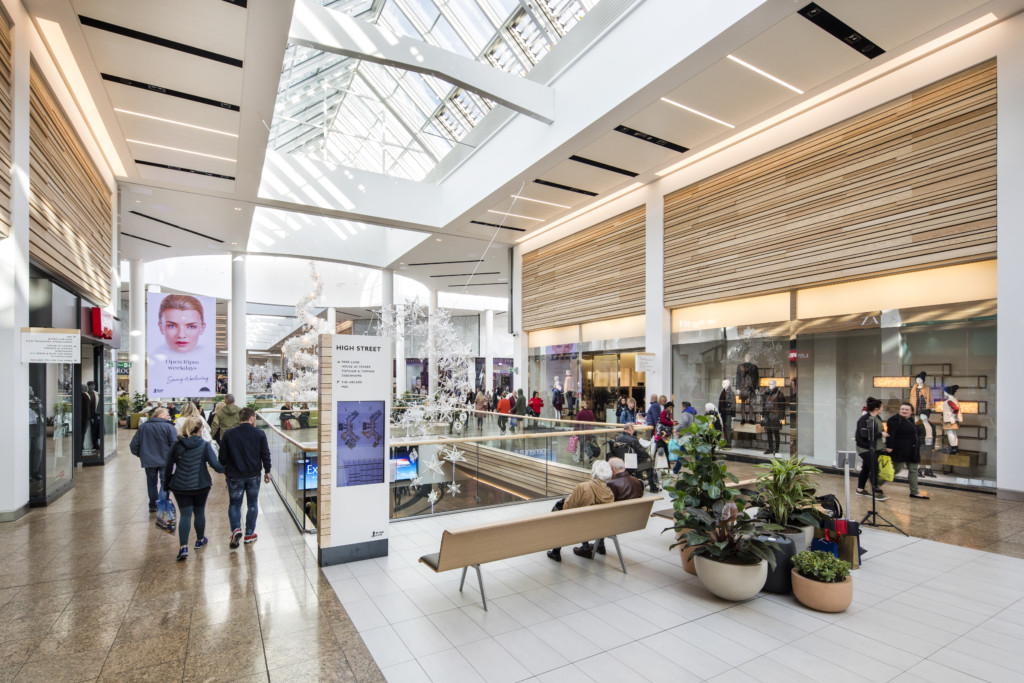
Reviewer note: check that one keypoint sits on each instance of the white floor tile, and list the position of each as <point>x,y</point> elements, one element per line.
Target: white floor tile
<point>493,662</point>
<point>457,627</point>
<point>932,672</point>
<point>385,646</point>
<point>422,637</point>
<point>364,615</point>
<point>567,674</point>
<point>536,655</point>
<point>429,599</point>
<point>605,638</point>
<point>567,642</point>
<point>449,666</point>
<point>686,655</point>
<point>606,668</point>
<point>396,607</point>
<point>652,665</point>
<point>406,672</point>
<point>494,620</point>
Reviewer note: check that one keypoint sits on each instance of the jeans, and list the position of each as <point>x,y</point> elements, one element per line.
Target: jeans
<point>250,486</point>
<point>502,422</point>
<point>897,467</point>
<point>152,475</point>
<point>188,504</point>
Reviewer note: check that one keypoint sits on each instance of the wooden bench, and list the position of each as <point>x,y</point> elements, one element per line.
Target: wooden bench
<point>472,546</point>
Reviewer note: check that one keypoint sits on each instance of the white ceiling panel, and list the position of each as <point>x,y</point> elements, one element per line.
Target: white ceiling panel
<point>584,177</point>
<point>486,232</point>
<point>164,67</point>
<point>173,108</point>
<point>510,221</point>
<point>205,24</point>
<point>159,132</point>
<point>800,53</point>
<point>165,176</point>
<point>675,124</point>
<point>523,208</point>
<point>550,194</point>
<point>182,160</point>
<point>628,152</point>
<point>889,24</point>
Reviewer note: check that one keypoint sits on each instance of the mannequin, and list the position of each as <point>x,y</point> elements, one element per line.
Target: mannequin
<point>570,393</point>
<point>712,411</point>
<point>929,440</point>
<point>920,395</point>
<point>773,411</point>
<point>727,410</point>
<point>747,381</point>
<point>557,398</point>
<point>951,417</point>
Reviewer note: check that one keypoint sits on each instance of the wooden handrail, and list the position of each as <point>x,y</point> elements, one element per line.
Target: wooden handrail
<point>509,437</point>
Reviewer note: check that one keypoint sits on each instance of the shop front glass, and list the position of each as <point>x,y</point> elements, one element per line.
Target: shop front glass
<point>109,403</point>
<point>51,420</point>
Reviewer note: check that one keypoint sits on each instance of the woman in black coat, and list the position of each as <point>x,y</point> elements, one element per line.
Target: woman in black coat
<point>190,481</point>
<point>903,445</point>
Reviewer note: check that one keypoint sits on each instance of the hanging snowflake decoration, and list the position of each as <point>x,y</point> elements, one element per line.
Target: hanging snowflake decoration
<point>453,454</point>
<point>436,466</point>
<point>453,488</point>
<point>417,481</point>
<point>432,497</point>
<point>300,351</point>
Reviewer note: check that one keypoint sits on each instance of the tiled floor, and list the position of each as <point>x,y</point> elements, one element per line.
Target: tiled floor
<point>90,589</point>
<point>923,611</point>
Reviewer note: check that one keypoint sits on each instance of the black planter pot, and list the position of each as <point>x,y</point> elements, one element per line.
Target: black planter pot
<point>779,579</point>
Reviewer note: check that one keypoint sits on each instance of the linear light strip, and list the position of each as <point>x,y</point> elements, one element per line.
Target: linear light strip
<point>176,123</point>
<point>539,201</point>
<point>767,75</point>
<point>178,149</point>
<point>698,113</point>
<point>515,215</point>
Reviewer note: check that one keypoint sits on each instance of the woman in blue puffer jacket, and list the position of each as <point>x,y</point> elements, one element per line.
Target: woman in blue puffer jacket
<point>189,480</point>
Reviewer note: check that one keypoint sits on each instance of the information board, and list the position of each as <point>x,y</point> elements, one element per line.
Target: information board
<point>50,345</point>
<point>646,362</point>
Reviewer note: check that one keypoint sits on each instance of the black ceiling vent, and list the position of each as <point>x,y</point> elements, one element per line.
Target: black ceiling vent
<point>832,24</point>
<point>495,225</point>
<point>598,164</point>
<point>653,139</point>
<point>167,91</point>
<point>481,284</point>
<point>172,225</point>
<point>157,40</point>
<point>160,244</point>
<point>467,274</point>
<point>567,188</point>
<point>239,3</point>
<point>185,170</point>
<point>445,263</point>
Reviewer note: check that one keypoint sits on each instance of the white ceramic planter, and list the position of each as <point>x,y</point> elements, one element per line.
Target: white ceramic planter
<point>731,581</point>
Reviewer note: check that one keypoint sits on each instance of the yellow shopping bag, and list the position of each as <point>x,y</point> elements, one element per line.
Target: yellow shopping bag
<point>885,468</point>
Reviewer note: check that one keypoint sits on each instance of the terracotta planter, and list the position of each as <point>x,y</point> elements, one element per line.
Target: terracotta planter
<point>686,554</point>
<point>824,597</point>
<point>731,581</point>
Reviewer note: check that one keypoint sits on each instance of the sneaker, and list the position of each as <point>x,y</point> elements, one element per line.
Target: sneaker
<point>152,508</point>
<point>201,542</point>
<point>863,492</point>
<point>583,552</point>
<point>929,473</point>
<point>879,495</point>
<point>236,538</point>
<point>251,538</point>
<point>183,553</point>
<point>923,496</point>
<point>555,555</point>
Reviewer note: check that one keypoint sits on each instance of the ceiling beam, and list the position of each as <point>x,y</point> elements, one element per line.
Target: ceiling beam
<point>324,29</point>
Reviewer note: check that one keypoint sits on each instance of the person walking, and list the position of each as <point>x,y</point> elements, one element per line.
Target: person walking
<point>480,406</point>
<point>189,480</point>
<point>504,408</point>
<point>520,408</point>
<point>190,409</point>
<point>653,411</point>
<point>152,445</point>
<point>628,413</point>
<point>244,449</point>
<point>225,418</point>
<point>869,427</point>
<point>903,445</point>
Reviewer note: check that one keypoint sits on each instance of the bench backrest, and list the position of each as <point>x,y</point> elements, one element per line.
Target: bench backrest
<point>501,540</point>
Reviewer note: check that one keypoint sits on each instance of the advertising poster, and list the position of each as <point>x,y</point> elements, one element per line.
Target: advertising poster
<point>181,345</point>
<point>361,398</point>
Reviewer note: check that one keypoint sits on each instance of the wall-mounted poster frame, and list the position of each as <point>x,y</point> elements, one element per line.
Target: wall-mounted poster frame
<point>354,403</point>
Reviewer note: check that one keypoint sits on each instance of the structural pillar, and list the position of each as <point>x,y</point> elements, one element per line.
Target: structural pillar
<point>237,370</point>
<point>401,380</point>
<point>137,323</point>
<point>658,320</point>
<point>432,347</point>
<point>387,303</point>
<point>520,351</point>
<point>489,350</point>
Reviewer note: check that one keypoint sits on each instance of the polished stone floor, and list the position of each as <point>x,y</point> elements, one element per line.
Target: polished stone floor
<point>90,590</point>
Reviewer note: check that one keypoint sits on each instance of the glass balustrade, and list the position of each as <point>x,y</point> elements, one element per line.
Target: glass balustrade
<point>294,464</point>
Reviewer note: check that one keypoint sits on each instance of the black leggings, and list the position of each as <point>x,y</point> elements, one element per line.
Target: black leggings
<point>189,503</point>
<point>866,470</point>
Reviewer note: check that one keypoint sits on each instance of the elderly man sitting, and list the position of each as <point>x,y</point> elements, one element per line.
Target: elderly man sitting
<point>594,491</point>
<point>623,487</point>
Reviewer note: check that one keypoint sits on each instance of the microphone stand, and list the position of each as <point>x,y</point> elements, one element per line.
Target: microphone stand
<point>873,514</point>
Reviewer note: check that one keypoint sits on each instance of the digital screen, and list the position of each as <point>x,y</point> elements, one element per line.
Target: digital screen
<point>406,464</point>
<point>307,474</point>
<point>361,457</point>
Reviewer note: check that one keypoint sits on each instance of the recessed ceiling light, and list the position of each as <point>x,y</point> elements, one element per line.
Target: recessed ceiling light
<point>767,75</point>
<point>184,151</point>
<point>538,201</point>
<point>138,201</point>
<point>698,113</point>
<point>238,208</point>
<point>234,244</point>
<point>516,215</point>
<point>438,239</point>
<point>176,123</point>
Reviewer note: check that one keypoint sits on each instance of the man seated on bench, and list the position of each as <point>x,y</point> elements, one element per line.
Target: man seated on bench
<point>623,487</point>
<point>593,491</point>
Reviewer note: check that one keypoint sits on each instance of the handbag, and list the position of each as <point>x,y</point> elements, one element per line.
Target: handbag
<point>574,442</point>
<point>886,472</point>
<point>660,462</point>
<point>166,513</point>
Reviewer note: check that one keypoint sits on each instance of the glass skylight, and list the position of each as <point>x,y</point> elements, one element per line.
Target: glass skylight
<point>399,123</point>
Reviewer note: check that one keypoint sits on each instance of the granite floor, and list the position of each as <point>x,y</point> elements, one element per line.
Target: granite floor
<point>90,590</point>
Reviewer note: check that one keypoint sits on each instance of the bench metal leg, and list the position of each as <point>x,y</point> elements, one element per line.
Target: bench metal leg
<point>463,578</point>
<point>618,551</point>
<point>480,580</point>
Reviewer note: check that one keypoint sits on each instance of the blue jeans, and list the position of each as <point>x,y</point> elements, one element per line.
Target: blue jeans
<point>250,486</point>
<point>153,474</point>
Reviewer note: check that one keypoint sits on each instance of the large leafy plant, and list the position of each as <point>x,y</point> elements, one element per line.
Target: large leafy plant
<point>725,534</point>
<point>786,490</point>
<point>704,477</point>
<point>821,566</point>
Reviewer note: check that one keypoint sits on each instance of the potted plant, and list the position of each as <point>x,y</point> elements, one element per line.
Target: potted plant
<point>731,554</point>
<point>704,478</point>
<point>123,407</point>
<point>822,581</point>
<point>785,496</point>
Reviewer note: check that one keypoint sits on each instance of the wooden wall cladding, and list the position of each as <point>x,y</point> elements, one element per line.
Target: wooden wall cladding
<point>5,127</point>
<point>325,462</point>
<point>594,274</point>
<point>907,185</point>
<point>70,207</point>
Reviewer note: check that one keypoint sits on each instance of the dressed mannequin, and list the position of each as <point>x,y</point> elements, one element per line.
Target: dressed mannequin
<point>557,398</point>
<point>951,417</point>
<point>773,411</point>
<point>920,395</point>
<point>727,410</point>
<point>570,393</point>
<point>928,439</point>
<point>711,411</point>
<point>748,380</point>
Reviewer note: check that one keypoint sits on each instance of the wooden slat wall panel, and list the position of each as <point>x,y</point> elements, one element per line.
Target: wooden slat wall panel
<point>907,185</point>
<point>594,274</point>
<point>70,207</point>
<point>5,127</point>
<point>538,477</point>
<point>325,463</point>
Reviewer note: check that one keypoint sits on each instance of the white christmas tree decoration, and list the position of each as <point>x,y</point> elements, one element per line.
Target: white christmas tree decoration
<point>300,351</point>
<point>260,377</point>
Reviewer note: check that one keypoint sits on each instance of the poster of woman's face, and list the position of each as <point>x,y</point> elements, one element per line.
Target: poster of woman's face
<point>181,345</point>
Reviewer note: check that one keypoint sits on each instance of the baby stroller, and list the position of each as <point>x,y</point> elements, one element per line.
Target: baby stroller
<point>644,464</point>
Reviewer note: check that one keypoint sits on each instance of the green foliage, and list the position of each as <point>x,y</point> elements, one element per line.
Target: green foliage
<point>704,477</point>
<point>253,404</point>
<point>821,566</point>
<point>725,534</point>
<point>786,490</point>
<point>123,406</point>
<point>138,402</point>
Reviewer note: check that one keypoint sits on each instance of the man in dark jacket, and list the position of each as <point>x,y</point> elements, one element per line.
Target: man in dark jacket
<point>152,445</point>
<point>624,487</point>
<point>903,445</point>
<point>244,450</point>
<point>627,441</point>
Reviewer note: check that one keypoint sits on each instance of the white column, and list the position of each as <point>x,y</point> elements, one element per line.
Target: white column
<point>401,380</point>
<point>659,332</point>
<point>237,371</point>
<point>431,351</point>
<point>331,315</point>
<point>137,323</point>
<point>520,352</point>
<point>1010,330</point>
<point>387,301</point>
<point>488,350</point>
<point>14,283</point>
